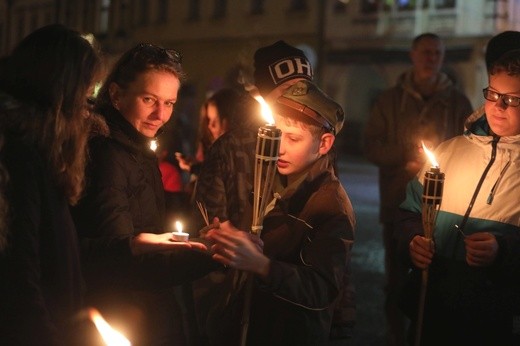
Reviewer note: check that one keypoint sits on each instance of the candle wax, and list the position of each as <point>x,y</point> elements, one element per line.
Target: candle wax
<point>180,236</point>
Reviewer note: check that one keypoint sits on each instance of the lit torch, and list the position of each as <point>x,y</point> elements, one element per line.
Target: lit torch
<point>431,198</point>
<point>267,146</point>
<point>110,336</point>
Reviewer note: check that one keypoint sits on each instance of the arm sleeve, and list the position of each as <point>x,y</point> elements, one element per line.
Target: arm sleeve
<point>409,219</point>
<point>316,283</point>
<point>24,311</point>
<point>103,216</point>
<point>211,185</point>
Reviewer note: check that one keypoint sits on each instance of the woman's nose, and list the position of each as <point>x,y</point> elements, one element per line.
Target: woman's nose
<point>162,112</point>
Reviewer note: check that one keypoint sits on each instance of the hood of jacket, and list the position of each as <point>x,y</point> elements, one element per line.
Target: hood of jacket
<point>476,128</point>
<point>405,80</point>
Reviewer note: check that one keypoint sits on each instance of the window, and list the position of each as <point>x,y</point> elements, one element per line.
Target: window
<point>409,4</point>
<point>162,16</point>
<point>104,16</point>
<point>257,7</point>
<point>194,10</point>
<point>445,3</point>
<point>34,21</point>
<point>374,6</point>
<point>143,19</point>
<point>21,25</point>
<point>298,5</point>
<point>340,6</point>
<point>219,11</point>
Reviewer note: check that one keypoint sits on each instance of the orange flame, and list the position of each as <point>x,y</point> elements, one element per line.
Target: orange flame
<point>110,336</point>
<point>267,114</point>
<point>430,156</point>
<point>178,226</point>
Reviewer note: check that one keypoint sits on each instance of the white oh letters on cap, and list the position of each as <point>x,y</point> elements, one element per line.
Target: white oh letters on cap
<point>290,68</point>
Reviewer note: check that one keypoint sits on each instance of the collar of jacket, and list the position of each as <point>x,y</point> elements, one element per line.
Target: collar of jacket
<point>406,82</point>
<point>302,189</point>
<point>478,130</point>
<point>122,131</point>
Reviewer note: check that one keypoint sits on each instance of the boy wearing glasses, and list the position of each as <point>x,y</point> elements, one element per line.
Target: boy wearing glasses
<point>473,261</point>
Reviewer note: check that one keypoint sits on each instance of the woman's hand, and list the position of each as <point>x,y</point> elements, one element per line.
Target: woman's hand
<point>144,243</point>
<point>421,251</point>
<point>481,249</point>
<point>238,249</point>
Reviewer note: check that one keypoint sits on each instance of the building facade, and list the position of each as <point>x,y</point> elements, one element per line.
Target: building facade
<point>358,47</point>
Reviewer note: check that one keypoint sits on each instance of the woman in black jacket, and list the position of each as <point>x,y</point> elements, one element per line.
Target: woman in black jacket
<point>44,122</point>
<point>131,262</point>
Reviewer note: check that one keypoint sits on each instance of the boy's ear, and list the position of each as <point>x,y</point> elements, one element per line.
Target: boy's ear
<point>114,92</point>
<point>326,142</point>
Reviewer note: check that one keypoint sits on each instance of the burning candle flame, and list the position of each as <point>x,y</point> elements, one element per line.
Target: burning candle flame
<point>430,156</point>
<point>153,145</point>
<point>110,336</point>
<point>178,226</point>
<point>266,110</point>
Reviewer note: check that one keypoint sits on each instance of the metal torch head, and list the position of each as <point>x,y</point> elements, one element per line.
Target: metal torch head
<point>433,186</point>
<point>268,143</point>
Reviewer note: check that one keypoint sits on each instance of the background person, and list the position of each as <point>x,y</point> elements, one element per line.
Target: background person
<point>44,122</point>
<point>225,110</point>
<point>424,105</point>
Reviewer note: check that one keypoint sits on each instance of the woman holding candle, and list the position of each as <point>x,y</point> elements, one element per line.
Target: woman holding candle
<point>473,263</point>
<point>44,125</point>
<point>131,261</point>
<point>307,232</point>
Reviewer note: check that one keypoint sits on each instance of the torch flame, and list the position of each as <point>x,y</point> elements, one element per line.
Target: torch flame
<point>110,336</point>
<point>178,226</point>
<point>431,157</point>
<point>266,110</point>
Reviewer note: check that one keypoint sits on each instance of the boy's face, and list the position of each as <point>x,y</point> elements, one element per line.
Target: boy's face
<point>298,148</point>
<point>504,120</point>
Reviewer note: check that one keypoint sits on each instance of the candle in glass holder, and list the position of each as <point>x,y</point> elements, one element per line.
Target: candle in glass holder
<point>178,234</point>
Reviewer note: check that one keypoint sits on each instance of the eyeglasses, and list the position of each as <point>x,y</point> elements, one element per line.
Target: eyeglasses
<point>157,52</point>
<point>510,101</point>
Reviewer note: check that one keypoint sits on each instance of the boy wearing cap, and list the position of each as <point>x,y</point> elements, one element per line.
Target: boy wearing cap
<point>307,233</point>
<point>226,178</point>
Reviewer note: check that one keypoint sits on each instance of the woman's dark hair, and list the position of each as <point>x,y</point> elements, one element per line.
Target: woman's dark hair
<point>235,107</point>
<point>232,105</point>
<point>50,73</point>
<point>142,58</point>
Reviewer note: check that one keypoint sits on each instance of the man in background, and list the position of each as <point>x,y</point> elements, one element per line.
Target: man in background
<point>424,106</point>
